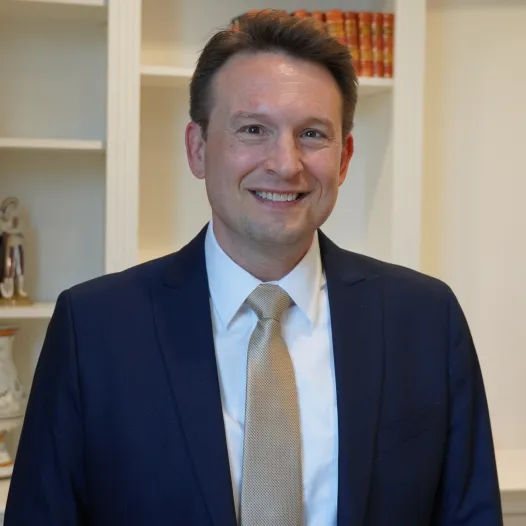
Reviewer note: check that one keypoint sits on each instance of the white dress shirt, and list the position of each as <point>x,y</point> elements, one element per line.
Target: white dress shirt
<point>307,333</point>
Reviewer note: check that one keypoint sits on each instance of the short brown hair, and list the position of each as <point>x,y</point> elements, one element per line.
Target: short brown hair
<point>268,31</point>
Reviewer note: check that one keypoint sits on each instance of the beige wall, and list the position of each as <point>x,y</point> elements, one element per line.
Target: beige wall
<point>474,231</point>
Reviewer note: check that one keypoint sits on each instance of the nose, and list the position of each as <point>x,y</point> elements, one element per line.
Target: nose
<point>284,157</point>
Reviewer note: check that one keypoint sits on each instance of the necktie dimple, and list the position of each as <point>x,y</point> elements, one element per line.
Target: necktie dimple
<point>271,491</point>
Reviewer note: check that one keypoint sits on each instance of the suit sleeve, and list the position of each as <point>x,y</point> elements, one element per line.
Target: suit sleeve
<point>47,486</point>
<point>469,491</point>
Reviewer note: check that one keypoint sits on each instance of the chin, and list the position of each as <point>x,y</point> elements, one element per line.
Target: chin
<point>278,235</point>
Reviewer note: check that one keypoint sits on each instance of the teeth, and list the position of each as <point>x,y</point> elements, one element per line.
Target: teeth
<point>277,197</point>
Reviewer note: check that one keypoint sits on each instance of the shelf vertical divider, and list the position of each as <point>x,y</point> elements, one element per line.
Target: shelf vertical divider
<point>123,125</point>
<point>408,130</point>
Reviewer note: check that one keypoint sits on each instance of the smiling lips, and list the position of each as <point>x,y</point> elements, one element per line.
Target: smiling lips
<point>279,197</point>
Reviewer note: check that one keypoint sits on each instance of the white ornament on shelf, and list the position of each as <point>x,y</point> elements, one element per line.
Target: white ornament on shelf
<point>12,268</point>
<point>12,397</point>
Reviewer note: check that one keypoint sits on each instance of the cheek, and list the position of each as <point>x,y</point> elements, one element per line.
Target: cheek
<point>326,170</point>
<point>243,158</point>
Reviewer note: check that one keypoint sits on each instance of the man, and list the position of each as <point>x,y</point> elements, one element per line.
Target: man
<point>261,375</point>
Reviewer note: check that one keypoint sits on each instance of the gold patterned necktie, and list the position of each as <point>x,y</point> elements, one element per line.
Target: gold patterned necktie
<point>271,490</point>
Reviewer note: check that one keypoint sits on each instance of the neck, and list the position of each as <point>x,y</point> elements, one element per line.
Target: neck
<point>266,262</point>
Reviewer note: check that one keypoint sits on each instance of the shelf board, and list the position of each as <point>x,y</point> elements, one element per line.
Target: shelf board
<point>95,10</point>
<point>50,144</point>
<point>171,76</point>
<point>90,3</point>
<point>165,76</point>
<point>31,312</point>
<point>371,86</point>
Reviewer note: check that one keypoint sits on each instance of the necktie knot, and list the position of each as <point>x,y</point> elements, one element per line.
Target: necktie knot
<point>269,301</point>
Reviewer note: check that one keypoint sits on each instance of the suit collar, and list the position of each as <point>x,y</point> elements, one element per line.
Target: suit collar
<point>339,264</point>
<point>187,263</point>
<point>342,265</point>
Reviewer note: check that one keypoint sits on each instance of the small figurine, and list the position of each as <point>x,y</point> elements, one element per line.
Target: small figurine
<point>12,273</point>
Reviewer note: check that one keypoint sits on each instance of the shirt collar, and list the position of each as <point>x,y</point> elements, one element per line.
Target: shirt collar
<point>230,285</point>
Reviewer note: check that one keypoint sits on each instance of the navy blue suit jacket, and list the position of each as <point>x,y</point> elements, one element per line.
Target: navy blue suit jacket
<point>124,423</point>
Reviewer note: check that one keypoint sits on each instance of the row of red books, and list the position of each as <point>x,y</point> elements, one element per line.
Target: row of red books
<point>369,37</point>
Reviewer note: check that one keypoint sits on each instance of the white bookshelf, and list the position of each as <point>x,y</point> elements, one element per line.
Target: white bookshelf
<point>63,152</point>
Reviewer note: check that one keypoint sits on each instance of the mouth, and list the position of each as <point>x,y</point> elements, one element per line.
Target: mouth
<point>278,197</point>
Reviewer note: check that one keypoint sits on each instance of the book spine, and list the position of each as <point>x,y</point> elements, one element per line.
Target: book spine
<point>300,13</point>
<point>388,43</point>
<point>351,35</point>
<point>366,43</point>
<point>335,25</point>
<point>377,29</point>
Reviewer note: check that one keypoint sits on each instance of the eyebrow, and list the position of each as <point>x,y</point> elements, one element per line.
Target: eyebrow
<point>327,123</point>
<point>247,115</point>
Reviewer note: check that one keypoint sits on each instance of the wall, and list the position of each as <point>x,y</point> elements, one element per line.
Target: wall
<point>474,224</point>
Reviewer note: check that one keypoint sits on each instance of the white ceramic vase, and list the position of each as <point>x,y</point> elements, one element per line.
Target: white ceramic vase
<point>12,397</point>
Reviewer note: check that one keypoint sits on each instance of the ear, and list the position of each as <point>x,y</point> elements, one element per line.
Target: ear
<point>195,149</point>
<point>347,153</point>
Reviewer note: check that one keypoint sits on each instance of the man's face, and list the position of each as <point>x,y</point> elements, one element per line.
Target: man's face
<point>274,156</point>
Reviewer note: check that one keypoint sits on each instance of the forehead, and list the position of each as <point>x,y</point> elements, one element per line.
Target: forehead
<point>266,80</point>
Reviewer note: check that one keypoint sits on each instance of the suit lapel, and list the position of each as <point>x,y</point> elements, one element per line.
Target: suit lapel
<point>356,320</point>
<point>182,315</point>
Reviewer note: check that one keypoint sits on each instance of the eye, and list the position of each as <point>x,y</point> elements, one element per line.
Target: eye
<point>314,134</point>
<point>252,129</point>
